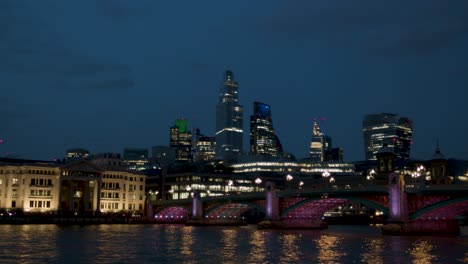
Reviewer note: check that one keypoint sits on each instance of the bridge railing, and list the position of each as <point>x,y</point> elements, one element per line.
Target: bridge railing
<point>371,188</point>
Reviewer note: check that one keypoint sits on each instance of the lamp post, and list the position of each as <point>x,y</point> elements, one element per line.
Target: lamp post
<point>258,181</point>
<point>229,186</point>
<point>419,175</point>
<point>325,176</point>
<point>289,178</point>
<point>371,176</point>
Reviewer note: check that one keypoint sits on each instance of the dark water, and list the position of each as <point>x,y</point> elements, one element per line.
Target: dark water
<point>181,244</point>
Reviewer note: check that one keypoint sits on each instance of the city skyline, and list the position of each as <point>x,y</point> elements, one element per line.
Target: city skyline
<point>109,75</point>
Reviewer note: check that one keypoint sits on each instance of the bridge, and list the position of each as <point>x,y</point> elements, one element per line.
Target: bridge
<point>411,209</point>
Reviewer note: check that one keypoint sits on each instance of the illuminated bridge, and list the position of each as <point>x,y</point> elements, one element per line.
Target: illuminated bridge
<point>420,209</point>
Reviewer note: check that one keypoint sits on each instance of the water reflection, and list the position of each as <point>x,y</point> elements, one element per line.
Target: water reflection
<point>188,240</point>
<point>229,241</point>
<point>257,247</point>
<point>182,244</point>
<point>420,251</point>
<point>373,251</point>
<point>328,250</point>
<point>289,248</point>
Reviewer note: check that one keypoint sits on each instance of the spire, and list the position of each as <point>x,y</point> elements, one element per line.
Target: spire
<point>438,155</point>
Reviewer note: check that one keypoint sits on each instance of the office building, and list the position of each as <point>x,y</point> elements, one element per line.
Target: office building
<point>163,155</point>
<point>181,140</point>
<point>316,144</point>
<point>394,130</point>
<point>229,120</point>
<point>76,154</point>
<point>263,140</point>
<point>136,159</point>
<point>204,147</point>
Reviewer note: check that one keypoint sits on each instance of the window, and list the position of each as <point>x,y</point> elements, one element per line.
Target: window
<point>31,203</point>
<point>48,204</point>
<point>13,204</point>
<point>15,181</point>
<point>141,187</point>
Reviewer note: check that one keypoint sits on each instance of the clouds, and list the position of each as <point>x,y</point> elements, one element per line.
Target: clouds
<point>33,50</point>
<point>381,27</point>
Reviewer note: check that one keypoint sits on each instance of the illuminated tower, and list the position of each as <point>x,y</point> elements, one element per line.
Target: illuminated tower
<point>181,141</point>
<point>203,147</point>
<point>394,130</point>
<point>263,140</point>
<point>316,144</point>
<point>229,121</point>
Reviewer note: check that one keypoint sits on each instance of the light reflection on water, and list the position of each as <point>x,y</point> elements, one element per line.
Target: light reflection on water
<point>372,251</point>
<point>421,252</point>
<point>181,244</point>
<point>290,248</point>
<point>328,247</point>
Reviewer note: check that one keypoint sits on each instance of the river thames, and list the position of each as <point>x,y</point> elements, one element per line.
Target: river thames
<point>187,244</point>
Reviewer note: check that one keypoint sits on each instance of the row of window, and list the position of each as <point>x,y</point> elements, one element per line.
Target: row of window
<point>39,204</point>
<point>41,182</point>
<point>115,206</point>
<point>121,177</point>
<point>43,172</point>
<point>110,195</point>
<point>110,185</point>
<point>47,193</point>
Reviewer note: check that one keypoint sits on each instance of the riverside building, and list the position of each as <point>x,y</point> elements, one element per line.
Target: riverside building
<point>77,188</point>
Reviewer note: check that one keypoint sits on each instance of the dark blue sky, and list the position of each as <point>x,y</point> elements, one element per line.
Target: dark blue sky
<point>105,75</point>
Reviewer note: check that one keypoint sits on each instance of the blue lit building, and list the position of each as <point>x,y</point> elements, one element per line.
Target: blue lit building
<point>263,140</point>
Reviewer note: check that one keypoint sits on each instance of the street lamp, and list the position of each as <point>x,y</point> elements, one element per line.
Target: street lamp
<point>258,181</point>
<point>289,178</point>
<point>325,176</point>
<point>371,175</point>
<point>229,185</point>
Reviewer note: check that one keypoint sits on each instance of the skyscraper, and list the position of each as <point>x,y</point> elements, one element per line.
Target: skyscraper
<point>263,140</point>
<point>136,158</point>
<point>391,129</point>
<point>181,140</point>
<point>229,120</point>
<point>203,146</point>
<point>316,144</point>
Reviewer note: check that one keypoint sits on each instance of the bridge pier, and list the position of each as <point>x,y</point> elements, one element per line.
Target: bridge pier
<point>272,218</point>
<point>399,222</point>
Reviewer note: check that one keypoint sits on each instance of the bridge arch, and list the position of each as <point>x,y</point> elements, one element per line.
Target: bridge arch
<point>231,210</point>
<point>315,207</point>
<point>447,209</point>
<point>171,213</point>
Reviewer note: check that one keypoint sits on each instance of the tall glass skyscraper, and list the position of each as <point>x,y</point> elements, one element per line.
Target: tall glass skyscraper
<point>392,129</point>
<point>316,144</point>
<point>229,120</point>
<point>263,140</point>
<point>181,140</point>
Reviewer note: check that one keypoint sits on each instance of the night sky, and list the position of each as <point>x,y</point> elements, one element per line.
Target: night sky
<point>105,75</point>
